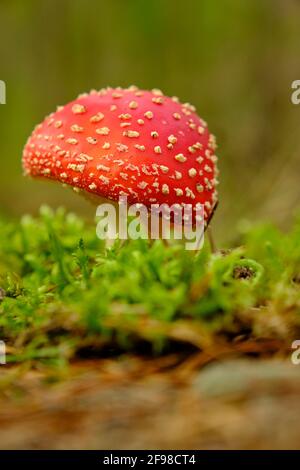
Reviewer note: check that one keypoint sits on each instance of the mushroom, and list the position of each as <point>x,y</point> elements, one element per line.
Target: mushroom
<point>128,142</point>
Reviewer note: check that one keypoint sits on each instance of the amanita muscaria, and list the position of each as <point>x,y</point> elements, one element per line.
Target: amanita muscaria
<point>117,142</point>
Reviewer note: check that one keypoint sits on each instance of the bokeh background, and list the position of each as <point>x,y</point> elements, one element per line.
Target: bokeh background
<point>235,60</point>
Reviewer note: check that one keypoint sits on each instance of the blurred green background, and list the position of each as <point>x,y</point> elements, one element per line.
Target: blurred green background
<point>234,59</point>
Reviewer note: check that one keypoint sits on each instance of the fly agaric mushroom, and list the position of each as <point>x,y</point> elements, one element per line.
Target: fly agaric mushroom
<point>128,142</point>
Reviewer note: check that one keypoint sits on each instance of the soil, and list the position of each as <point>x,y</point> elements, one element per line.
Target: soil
<point>132,402</point>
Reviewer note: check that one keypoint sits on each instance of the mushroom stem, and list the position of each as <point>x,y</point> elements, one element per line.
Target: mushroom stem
<point>211,240</point>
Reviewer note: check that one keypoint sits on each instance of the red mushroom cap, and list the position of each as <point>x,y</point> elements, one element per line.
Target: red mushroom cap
<point>117,142</point>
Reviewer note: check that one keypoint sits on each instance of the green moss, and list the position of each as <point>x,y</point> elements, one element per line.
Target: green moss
<point>63,292</point>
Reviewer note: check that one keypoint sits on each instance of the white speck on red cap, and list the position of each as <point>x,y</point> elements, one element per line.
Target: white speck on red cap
<point>76,108</point>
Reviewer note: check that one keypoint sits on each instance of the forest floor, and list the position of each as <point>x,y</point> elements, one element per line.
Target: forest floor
<point>133,403</point>
<point>147,346</point>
